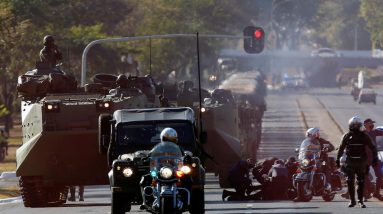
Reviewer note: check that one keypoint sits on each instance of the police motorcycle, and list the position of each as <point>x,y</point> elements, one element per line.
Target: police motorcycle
<point>311,180</point>
<point>170,188</point>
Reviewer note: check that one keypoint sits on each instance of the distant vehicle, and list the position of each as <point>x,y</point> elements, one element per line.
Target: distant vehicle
<point>325,52</point>
<point>295,82</point>
<point>367,95</point>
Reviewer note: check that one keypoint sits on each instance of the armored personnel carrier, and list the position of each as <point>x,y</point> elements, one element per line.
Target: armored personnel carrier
<point>60,130</point>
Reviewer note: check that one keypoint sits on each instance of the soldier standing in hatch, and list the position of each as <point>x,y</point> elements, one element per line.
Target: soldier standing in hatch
<point>50,53</point>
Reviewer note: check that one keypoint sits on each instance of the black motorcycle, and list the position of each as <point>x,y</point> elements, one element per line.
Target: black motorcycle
<point>311,180</point>
<point>168,191</point>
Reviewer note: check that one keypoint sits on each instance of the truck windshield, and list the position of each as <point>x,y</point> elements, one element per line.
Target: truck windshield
<point>145,135</point>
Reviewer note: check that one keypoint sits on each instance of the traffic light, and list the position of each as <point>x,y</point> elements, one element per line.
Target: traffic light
<point>254,39</point>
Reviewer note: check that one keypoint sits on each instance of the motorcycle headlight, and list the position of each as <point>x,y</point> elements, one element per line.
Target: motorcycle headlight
<point>127,172</point>
<point>305,162</point>
<point>185,169</point>
<point>166,172</point>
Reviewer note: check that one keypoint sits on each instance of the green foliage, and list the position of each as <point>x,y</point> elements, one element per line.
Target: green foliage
<point>3,110</point>
<point>372,12</point>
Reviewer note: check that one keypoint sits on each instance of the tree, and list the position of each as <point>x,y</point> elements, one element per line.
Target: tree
<point>12,32</point>
<point>372,12</point>
<point>339,26</point>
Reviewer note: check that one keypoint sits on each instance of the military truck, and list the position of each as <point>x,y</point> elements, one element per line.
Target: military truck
<point>129,134</point>
<point>60,130</point>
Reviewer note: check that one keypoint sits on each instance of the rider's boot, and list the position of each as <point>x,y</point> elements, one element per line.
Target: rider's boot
<point>361,194</point>
<point>351,191</point>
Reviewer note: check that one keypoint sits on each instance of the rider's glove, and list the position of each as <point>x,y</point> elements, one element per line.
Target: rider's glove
<point>337,163</point>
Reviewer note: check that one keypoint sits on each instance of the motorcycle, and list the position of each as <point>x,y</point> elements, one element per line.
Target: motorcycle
<point>170,188</point>
<point>311,179</point>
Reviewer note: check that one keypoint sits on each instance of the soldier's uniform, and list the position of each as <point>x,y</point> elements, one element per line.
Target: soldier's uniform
<point>50,53</point>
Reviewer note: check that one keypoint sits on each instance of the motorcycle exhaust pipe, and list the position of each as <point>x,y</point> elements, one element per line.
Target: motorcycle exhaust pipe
<point>148,191</point>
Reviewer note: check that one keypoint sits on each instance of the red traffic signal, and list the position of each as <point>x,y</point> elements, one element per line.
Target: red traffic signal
<point>254,39</point>
<point>258,34</point>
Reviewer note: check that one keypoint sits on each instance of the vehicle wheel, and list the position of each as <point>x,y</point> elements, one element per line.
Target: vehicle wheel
<point>197,202</point>
<point>118,206</point>
<point>328,197</point>
<point>103,129</point>
<point>32,191</point>
<point>166,205</point>
<point>301,192</point>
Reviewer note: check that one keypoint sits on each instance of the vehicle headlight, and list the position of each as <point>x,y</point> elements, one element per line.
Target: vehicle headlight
<point>203,109</point>
<point>185,169</point>
<point>127,172</point>
<point>305,162</point>
<point>166,172</point>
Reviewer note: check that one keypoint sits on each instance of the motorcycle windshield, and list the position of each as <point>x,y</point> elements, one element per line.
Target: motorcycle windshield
<point>308,154</point>
<point>309,150</point>
<point>165,154</point>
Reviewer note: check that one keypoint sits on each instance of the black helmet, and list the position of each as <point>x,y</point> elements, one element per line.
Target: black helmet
<point>48,40</point>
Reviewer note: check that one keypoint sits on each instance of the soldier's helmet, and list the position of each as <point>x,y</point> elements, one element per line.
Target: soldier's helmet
<point>355,123</point>
<point>122,80</point>
<point>169,135</point>
<point>48,40</point>
<point>312,133</point>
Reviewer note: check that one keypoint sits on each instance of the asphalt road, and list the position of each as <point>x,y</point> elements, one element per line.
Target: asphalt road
<point>288,115</point>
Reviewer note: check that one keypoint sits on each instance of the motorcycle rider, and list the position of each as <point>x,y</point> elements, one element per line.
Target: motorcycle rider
<point>167,147</point>
<point>355,142</point>
<point>373,133</point>
<point>315,143</point>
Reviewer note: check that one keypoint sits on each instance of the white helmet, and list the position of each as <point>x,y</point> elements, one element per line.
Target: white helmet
<point>169,134</point>
<point>355,123</point>
<point>312,133</point>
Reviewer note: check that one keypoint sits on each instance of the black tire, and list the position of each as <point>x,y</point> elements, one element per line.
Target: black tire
<point>197,201</point>
<point>166,206</point>
<point>301,192</point>
<point>103,129</point>
<point>118,203</point>
<point>107,80</point>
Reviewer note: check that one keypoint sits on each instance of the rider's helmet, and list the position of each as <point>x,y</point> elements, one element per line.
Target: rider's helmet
<point>169,135</point>
<point>355,123</point>
<point>312,133</point>
<point>48,40</point>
